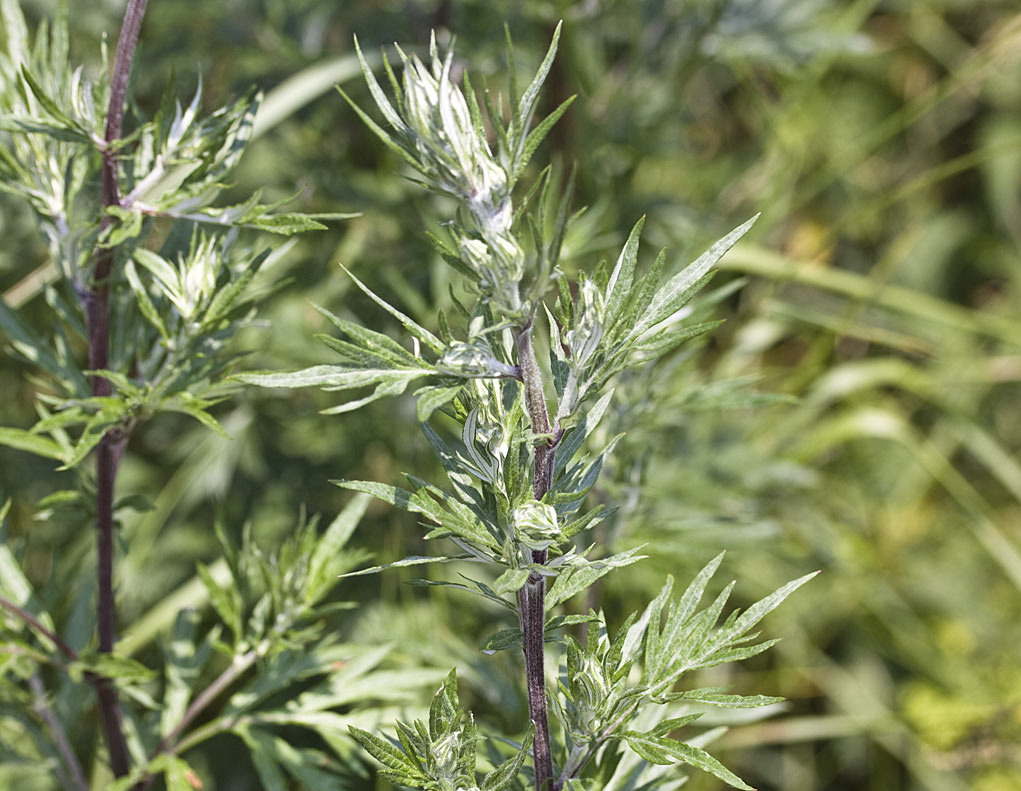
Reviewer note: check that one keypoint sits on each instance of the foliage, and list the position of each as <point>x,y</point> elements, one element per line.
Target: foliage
<point>521,478</point>
<point>158,260</point>
<point>879,289</point>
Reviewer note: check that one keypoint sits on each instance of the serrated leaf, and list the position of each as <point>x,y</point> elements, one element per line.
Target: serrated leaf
<point>679,752</point>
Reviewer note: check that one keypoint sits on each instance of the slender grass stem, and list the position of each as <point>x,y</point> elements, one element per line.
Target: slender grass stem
<point>110,448</point>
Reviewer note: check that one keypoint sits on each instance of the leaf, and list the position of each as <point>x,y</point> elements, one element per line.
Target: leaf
<point>717,696</point>
<point>327,558</point>
<point>758,611</point>
<point>145,305</point>
<point>501,641</point>
<point>29,346</point>
<point>122,670</point>
<point>660,750</point>
<point>526,105</point>
<point>14,585</point>
<point>574,579</point>
<point>413,560</point>
<point>334,377</point>
<point>285,224</point>
<point>511,581</point>
<point>618,289</point>
<point>676,292</point>
<point>184,659</point>
<point>433,397</point>
<point>190,405</point>
<point>226,600</point>
<point>396,763</point>
<point>506,773</point>
<point>536,136</point>
<point>408,323</point>
<point>31,442</point>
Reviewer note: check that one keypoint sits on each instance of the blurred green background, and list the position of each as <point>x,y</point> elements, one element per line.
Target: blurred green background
<point>871,356</point>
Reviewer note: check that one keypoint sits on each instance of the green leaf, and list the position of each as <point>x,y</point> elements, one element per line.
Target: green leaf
<point>677,291</point>
<point>285,224</point>
<point>128,226</point>
<point>574,579</point>
<point>396,763</point>
<point>659,343</point>
<point>14,585</point>
<point>226,600</point>
<point>527,103</point>
<point>70,125</point>
<point>28,345</point>
<point>622,278</point>
<point>536,136</point>
<point>327,558</point>
<point>193,406</point>
<point>511,581</point>
<point>333,377</point>
<point>145,305</point>
<point>33,443</point>
<point>506,773</point>
<point>122,670</point>
<point>408,323</point>
<point>501,641</point>
<point>433,397</point>
<point>760,609</point>
<point>413,560</point>
<point>16,31</point>
<point>666,751</point>
<point>184,659</point>
<point>717,696</point>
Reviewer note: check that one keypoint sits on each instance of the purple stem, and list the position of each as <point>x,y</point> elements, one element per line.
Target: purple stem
<point>110,447</point>
<point>532,596</point>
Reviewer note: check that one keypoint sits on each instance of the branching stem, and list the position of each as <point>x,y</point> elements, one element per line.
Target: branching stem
<point>75,780</point>
<point>532,597</point>
<point>110,448</point>
<point>232,673</point>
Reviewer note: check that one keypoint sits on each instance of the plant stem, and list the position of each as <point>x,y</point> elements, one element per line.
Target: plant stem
<point>76,779</point>
<point>111,446</point>
<point>235,670</point>
<point>35,623</point>
<point>532,597</point>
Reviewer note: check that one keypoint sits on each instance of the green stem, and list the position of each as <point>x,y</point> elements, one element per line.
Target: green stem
<point>171,742</point>
<point>75,781</point>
